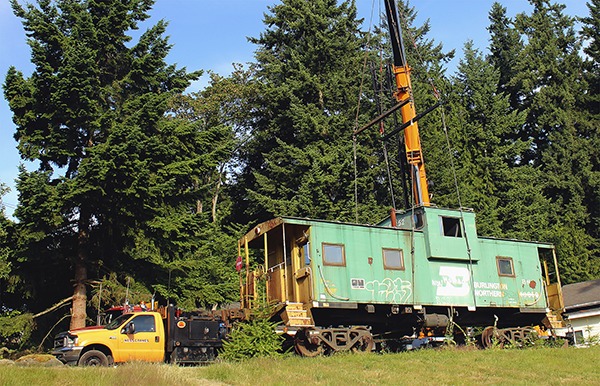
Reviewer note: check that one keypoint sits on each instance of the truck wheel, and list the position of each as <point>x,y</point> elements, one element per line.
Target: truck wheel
<point>93,358</point>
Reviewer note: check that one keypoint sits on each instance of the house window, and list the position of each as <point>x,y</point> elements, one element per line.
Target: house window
<point>393,259</point>
<point>451,226</point>
<point>578,338</point>
<point>333,254</point>
<point>505,266</point>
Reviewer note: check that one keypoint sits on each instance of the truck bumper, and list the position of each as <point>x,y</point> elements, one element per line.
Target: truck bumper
<point>68,355</point>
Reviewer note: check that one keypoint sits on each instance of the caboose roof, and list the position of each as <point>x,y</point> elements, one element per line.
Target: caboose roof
<point>466,213</point>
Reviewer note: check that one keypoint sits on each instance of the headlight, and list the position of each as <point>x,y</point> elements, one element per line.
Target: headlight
<point>70,341</point>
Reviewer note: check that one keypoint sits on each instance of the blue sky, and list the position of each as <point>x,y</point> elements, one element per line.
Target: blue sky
<point>211,35</point>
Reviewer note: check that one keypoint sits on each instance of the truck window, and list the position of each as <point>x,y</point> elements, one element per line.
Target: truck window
<point>117,322</point>
<point>144,323</point>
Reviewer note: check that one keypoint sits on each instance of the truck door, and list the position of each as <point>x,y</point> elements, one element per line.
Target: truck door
<point>140,340</point>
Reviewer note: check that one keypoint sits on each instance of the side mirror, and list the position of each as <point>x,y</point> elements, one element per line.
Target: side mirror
<point>128,329</point>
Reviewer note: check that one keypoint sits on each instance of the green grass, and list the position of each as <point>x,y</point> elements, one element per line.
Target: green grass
<point>547,366</point>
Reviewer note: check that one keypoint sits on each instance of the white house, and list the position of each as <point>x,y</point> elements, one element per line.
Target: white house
<point>582,311</point>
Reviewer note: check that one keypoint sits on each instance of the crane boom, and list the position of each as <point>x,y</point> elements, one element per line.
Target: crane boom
<point>403,95</point>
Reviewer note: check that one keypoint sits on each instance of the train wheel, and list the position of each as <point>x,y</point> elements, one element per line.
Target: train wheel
<point>488,338</point>
<point>364,340</point>
<point>305,347</point>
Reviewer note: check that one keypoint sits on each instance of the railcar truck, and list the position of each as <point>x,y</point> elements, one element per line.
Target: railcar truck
<point>166,335</point>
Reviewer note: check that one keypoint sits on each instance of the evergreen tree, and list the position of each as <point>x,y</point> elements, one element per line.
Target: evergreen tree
<point>5,248</point>
<point>114,174</point>
<point>548,72</point>
<point>589,124</point>
<point>221,108</point>
<point>481,125</point>
<point>298,160</point>
<point>504,48</point>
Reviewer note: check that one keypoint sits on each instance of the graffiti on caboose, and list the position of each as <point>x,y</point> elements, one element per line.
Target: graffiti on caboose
<point>388,290</point>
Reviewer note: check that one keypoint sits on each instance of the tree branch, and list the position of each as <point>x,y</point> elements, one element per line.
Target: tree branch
<point>54,307</point>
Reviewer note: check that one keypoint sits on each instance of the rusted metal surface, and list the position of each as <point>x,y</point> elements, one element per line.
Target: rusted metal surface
<point>501,337</point>
<point>306,345</point>
<point>261,229</point>
<point>310,342</point>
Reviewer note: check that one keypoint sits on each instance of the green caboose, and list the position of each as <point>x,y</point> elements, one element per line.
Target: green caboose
<point>416,273</point>
<point>417,277</point>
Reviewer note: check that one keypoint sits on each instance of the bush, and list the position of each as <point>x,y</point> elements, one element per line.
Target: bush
<point>15,329</point>
<point>252,339</point>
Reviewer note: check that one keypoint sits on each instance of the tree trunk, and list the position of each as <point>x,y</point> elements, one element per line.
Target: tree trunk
<point>79,313</point>
<point>215,198</point>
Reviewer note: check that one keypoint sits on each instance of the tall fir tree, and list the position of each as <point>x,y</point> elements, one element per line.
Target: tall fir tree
<point>481,124</point>
<point>114,174</point>
<point>298,160</point>
<point>505,45</point>
<point>589,105</point>
<point>548,72</point>
<point>5,244</point>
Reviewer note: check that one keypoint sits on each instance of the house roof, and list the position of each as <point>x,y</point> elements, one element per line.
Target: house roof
<point>584,294</point>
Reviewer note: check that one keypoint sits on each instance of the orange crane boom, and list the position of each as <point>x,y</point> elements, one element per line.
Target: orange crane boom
<point>403,95</point>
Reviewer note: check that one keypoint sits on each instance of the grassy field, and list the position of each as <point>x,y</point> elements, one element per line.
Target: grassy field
<point>544,366</point>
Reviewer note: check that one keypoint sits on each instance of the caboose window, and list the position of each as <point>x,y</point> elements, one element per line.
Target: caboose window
<point>505,266</point>
<point>306,253</point>
<point>393,259</point>
<point>333,254</point>
<point>451,226</point>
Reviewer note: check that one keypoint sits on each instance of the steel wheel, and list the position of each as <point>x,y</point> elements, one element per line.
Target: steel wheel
<point>364,342</point>
<point>487,337</point>
<point>304,347</point>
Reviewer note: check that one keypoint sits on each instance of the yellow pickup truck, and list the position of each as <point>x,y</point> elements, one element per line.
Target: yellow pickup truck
<point>170,335</point>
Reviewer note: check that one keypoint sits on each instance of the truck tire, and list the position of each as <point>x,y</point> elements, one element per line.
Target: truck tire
<point>93,358</point>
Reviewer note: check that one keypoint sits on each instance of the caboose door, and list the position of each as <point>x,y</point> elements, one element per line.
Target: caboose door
<point>300,256</point>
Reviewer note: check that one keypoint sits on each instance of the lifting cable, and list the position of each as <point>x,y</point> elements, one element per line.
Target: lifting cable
<point>364,66</point>
<point>378,87</point>
<point>460,207</point>
<point>381,129</point>
<point>452,165</point>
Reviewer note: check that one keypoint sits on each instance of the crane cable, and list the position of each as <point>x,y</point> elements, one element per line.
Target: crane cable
<point>452,165</point>
<point>460,207</point>
<point>437,96</point>
<point>364,65</point>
